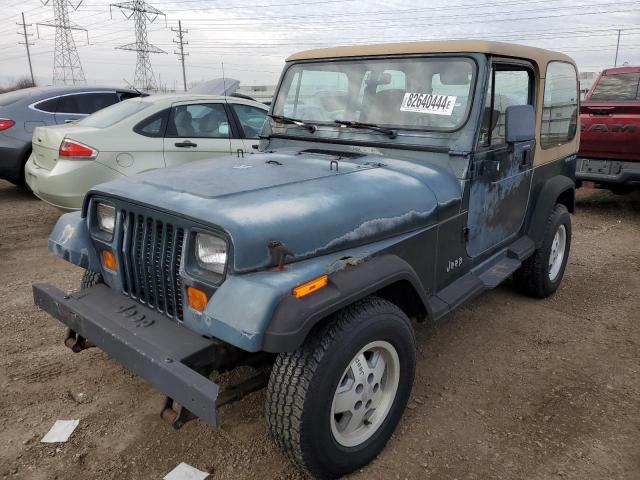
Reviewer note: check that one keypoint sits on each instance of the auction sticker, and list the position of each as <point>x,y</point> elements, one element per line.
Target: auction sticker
<point>428,103</point>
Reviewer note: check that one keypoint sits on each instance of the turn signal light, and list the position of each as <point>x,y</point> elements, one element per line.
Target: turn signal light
<point>109,260</point>
<point>310,286</point>
<point>6,124</point>
<point>197,299</point>
<point>75,150</point>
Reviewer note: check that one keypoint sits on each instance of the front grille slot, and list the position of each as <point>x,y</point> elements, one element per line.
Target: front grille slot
<point>151,253</point>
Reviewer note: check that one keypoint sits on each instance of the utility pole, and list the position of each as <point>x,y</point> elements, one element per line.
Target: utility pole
<point>615,63</point>
<point>142,13</point>
<point>67,68</point>
<point>181,41</point>
<point>27,43</point>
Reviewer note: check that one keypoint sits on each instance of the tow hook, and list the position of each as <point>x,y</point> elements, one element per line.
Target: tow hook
<point>177,415</point>
<point>76,342</point>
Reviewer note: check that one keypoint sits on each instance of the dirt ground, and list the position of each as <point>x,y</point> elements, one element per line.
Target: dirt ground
<point>509,387</point>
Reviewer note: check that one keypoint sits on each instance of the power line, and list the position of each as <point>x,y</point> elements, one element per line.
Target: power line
<point>142,13</point>
<point>182,42</point>
<point>26,43</point>
<point>67,68</point>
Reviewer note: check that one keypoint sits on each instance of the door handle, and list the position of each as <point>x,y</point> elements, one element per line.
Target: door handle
<point>70,120</point>
<point>186,144</point>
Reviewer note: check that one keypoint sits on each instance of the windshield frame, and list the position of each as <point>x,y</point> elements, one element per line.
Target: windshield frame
<point>439,56</point>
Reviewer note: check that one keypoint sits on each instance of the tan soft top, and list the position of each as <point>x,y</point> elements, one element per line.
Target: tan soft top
<point>538,55</point>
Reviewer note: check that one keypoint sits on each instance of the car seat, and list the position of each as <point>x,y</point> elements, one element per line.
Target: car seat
<point>183,122</point>
<point>209,125</point>
<point>384,108</point>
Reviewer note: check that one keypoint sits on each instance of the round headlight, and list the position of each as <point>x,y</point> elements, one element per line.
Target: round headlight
<point>211,253</point>
<point>106,215</point>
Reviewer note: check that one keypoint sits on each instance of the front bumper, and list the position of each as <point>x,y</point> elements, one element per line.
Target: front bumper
<point>66,184</point>
<point>146,342</point>
<point>603,171</point>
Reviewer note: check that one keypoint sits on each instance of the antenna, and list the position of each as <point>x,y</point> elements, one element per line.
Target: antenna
<point>224,81</point>
<point>142,13</point>
<point>67,68</point>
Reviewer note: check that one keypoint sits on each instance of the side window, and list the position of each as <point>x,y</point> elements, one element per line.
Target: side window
<point>48,106</point>
<point>68,104</point>
<point>153,126</point>
<point>206,120</point>
<point>92,102</point>
<point>560,106</point>
<point>507,87</point>
<point>251,119</point>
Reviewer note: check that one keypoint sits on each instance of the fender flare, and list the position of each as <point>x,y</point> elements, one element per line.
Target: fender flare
<point>293,318</point>
<point>70,241</point>
<point>548,196</point>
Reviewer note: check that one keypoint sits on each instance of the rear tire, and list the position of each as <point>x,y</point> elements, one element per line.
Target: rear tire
<point>541,274</point>
<point>334,402</point>
<point>90,279</point>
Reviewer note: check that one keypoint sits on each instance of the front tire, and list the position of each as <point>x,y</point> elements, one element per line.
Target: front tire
<point>541,274</point>
<point>333,403</point>
<point>90,279</point>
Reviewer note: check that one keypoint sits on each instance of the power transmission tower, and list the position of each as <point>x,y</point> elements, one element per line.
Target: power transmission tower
<point>141,12</point>
<point>182,42</point>
<point>67,68</point>
<point>27,43</point>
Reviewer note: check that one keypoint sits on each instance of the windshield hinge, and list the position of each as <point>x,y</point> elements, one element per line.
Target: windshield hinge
<point>459,153</point>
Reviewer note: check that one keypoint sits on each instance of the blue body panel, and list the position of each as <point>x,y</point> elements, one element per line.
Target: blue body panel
<point>70,240</point>
<point>299,201</point>
<point>321,215</point>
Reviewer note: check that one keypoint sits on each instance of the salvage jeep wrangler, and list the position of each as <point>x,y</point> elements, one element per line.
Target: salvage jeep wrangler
<point>395,183</point>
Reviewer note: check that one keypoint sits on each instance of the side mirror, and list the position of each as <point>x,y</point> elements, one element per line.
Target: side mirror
<point>520,123</point>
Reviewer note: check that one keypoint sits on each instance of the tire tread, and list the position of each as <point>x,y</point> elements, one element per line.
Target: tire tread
<point>529,279</point>
<point>292,375</point>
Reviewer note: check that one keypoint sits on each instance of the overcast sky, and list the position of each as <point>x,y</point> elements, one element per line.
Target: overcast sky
<point>253,37</point>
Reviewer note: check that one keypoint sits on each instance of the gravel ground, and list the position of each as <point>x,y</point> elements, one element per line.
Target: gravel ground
<point>509,387</point>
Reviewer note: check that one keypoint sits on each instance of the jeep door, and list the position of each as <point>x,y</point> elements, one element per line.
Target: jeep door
<point>199,131</point>
<point>501,172</point>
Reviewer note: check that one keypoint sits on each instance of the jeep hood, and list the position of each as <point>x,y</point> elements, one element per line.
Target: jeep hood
<point>310,202</point>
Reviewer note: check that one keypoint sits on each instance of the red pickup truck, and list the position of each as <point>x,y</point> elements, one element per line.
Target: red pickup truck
<point>609,152</point>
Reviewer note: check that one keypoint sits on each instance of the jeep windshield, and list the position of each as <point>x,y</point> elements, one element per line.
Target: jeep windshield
<point>413,93</point>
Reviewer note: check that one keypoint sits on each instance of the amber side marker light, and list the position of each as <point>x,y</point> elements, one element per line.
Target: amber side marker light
<point>310,286</point>
<point>109,260</point>
<point>197,299</point>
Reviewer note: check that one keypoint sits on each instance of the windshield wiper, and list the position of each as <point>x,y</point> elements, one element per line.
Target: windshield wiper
<point>371,126</point>
<point>294,121</point>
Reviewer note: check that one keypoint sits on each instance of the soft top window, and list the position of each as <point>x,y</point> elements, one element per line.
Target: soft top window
<point>115,113</point>
<point>560,108</point>
<point>618,87</point>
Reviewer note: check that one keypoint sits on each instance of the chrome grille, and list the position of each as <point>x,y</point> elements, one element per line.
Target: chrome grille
<point>151,254</point>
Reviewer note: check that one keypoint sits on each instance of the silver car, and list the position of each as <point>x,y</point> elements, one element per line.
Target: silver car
<point>135,136</point>
<point>21,111</point>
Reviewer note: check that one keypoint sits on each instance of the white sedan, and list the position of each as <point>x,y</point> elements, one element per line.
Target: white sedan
<point>135,136</point>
